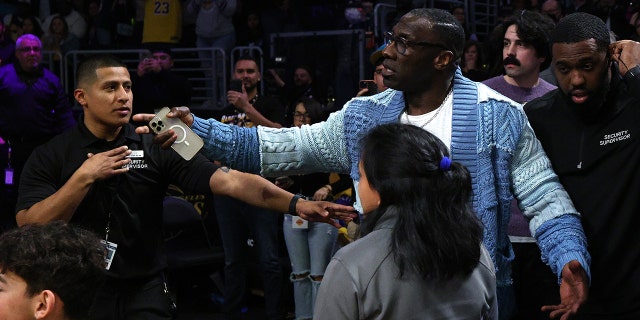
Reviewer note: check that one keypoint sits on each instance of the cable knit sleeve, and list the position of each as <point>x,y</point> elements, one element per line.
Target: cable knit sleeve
<point>555,223</point>
<point>274,152</point>
<point>316,148</point>
<point>234,146</point>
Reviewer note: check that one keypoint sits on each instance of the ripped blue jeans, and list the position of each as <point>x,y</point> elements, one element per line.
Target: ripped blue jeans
<point>310,251</point>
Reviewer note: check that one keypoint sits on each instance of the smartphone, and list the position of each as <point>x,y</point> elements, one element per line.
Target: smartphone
<point>187,144</point>
<point>235,85</point>
<point>370,85</point>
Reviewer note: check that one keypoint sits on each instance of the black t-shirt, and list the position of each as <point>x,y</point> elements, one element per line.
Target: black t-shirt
<point>269,107</point>
<point>156,90</point>
<point>131,203</point>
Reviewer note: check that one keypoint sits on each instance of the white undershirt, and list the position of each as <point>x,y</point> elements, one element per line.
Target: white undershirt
<point>440,126</point>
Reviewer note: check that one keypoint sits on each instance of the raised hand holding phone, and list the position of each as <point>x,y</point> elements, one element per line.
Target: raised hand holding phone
<point>187,144</point>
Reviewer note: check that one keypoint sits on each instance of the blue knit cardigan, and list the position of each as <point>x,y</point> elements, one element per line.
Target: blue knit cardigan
<point>490,136</point>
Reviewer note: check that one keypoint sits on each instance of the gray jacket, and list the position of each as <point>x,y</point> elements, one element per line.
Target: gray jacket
<point>361,282</point>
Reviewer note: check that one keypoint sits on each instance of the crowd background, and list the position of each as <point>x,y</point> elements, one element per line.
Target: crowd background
<point>333,59</point>
<point>330,60</point>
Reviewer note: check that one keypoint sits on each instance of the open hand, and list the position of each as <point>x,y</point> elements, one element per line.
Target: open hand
<point>324,211</point>
<point>574,288</point>
<point>106,164</point>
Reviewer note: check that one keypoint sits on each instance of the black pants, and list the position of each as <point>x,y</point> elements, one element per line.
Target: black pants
<point>535,285</point>
<point>132,300</point>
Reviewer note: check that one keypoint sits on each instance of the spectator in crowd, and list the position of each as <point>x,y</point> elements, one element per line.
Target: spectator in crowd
<point>553,9</point>
<point>302,86</point>
<point>239,220</point>
<point>421,256</point>
<point>310,244</point>
<point>33,109</point>
<point>252,34</point>
<point>129,20</point>
<point>458,12</point>
<point>613,13</point>
<point>214,28</point>
<point>525,53</point>
<point>105,177</point>
<point>100,28</point>
<point>7,46</point>
<point>485,131</point>
<point>76,23</point>
<point>31,25</point>
<point>471,63</point>
<point>376,60</point>
<point>15,27</point>
<point>595,112</point>
<point>49,271</point>
<point>248,107</point>
<point>156,85</point>
<point>58,38</point>
<point>162,22</point>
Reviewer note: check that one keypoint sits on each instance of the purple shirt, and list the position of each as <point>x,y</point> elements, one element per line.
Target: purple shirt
<point>518,224</point>
<point>519,94</point>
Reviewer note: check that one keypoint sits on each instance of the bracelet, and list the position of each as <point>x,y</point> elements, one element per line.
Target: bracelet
<point>292,204</point>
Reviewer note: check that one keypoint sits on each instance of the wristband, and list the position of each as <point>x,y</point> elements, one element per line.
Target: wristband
<point>632,73</point>
<point>292,204</point>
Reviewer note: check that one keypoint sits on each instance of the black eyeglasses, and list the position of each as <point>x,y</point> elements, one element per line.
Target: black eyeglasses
<point>402,44</point>
<point>301,115</point>
<point>29,49</point>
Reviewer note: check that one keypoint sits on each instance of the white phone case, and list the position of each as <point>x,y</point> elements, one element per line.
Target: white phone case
<point>187,144</point>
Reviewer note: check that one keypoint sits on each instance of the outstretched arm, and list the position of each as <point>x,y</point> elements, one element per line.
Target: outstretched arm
<point>555,223</point>
<point>232,145</point>
<point>259,192</point>
<point>574,288</point>
<point>63,203</point>
<point>272,152</point>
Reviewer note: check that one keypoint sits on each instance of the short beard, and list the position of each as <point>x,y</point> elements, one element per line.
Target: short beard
<point>591,108</point>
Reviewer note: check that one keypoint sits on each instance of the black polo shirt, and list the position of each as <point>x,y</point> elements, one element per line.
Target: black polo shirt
<point>131,203</point>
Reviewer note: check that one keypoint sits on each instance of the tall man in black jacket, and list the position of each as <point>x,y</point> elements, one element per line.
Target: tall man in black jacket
<point>590,129</point>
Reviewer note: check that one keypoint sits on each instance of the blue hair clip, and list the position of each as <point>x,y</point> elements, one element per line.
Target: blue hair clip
<point>445,163</point>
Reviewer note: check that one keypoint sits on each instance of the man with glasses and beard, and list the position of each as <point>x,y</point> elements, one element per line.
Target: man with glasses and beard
<point>485,131</point>
<point>590,130</point>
